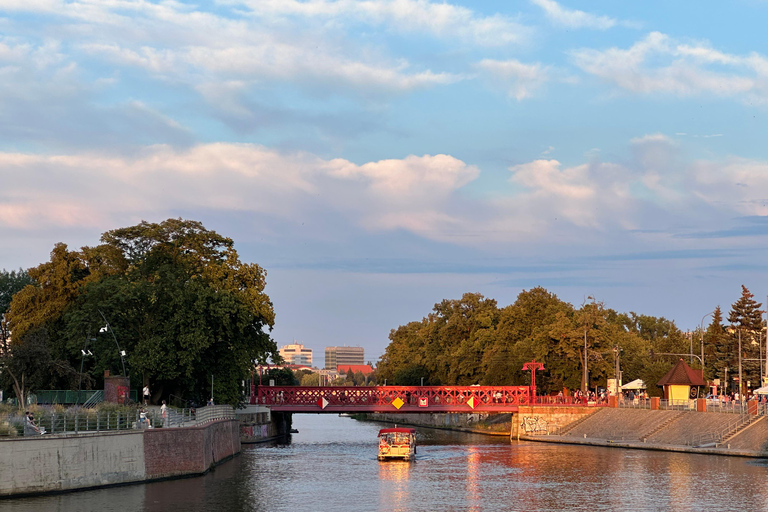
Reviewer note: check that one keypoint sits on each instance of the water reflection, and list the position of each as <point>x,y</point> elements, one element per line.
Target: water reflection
<point>393,475</point>
<point>331,465</point>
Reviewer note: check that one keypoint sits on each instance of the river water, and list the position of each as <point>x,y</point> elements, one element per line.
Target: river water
<point>331,465</point>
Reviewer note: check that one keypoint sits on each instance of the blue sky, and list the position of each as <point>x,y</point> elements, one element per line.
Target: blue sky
<point>379,156</point>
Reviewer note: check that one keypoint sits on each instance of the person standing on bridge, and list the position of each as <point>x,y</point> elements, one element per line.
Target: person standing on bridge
<point>146,394</point>
<point>164,414</point>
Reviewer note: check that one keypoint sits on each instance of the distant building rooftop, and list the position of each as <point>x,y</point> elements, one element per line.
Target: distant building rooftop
<point>365,369</point>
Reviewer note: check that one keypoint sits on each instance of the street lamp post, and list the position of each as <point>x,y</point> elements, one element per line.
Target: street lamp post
<point>533,366</point>
<point>701,340</point>
<point>585,376</point>
<point>109,328</point>
<point>741,400</point>
<point>616,370</point>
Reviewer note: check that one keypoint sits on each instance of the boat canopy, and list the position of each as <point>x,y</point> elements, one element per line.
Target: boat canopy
<point>397,430</point>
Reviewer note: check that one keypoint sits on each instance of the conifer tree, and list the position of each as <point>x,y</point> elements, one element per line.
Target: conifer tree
<point>719,347</point>
<point>746,318</point>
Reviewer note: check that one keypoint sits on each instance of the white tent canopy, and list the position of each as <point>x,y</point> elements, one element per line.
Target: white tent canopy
<point>635,384</point>
<point>761,391</point>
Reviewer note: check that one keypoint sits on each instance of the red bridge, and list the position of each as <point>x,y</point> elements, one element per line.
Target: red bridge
<point>425,399</point>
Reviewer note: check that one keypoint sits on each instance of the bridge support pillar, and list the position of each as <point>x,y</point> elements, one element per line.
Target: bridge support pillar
<point>281,422</point>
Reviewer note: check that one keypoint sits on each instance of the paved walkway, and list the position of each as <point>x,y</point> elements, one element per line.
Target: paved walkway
<point>678,431</point>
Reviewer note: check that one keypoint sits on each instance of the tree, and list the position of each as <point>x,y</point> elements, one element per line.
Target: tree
<point>177,297</point>
<point>310,379</point>
<point>281,376</point>
<point>10,284</point>
<point>719,346</point>
<point>746,319</point>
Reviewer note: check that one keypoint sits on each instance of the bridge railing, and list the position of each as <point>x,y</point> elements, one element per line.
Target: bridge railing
<point>409,396</point>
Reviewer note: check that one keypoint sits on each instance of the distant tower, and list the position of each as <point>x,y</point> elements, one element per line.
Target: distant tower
<point>296,354</point>
<point>334,356</point>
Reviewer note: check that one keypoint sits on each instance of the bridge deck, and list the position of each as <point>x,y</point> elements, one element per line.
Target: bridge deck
<point>404,399</point>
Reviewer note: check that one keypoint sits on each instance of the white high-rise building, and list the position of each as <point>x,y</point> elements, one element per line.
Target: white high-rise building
<point>296,354</point>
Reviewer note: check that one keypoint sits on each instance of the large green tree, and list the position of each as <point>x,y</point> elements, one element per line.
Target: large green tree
<point>472,341</point>
<point>177,298</point>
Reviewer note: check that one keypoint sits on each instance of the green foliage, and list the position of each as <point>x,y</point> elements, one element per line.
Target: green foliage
<point>310,379</point>
<point>10,284</point>
<point>411,376</point>
<point>177,298</point>
<point>746,321</point>
<point>472,341</point>
<point>281,376</point>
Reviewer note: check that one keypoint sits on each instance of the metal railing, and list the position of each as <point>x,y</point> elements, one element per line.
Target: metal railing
<point>716,437</point>
<point>213,413</point>
<point>570,401</point>
<point>732,407</point>
<point>80,420</point>
<point>95,398</point>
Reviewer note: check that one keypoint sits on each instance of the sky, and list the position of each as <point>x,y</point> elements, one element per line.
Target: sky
<point>379,156</point>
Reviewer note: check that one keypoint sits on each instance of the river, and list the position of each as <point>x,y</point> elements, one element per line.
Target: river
<point>331,466</point>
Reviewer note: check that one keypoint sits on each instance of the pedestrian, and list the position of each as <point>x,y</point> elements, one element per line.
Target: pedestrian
<point>210,401</point>
<point>30,429</point>
<point>146,394</point>
<point>164,414</point>
<point>143,419</point>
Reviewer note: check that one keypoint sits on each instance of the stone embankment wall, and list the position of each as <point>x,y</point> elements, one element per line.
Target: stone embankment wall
<point>63,463</point>
<point>494,424</point>
<point>258,424</point>
<point>550,419</point>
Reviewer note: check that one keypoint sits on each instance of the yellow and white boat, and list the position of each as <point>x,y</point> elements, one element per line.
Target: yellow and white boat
<point>397,443</point>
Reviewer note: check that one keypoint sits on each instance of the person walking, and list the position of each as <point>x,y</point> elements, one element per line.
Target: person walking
<point>164,414</point>
<point>146,394</point>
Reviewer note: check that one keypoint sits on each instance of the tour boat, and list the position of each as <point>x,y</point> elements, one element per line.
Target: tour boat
<point>397,443</point>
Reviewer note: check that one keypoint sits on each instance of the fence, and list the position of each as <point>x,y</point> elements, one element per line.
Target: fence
<point>77,420</point>
<point>731,407</point>
<point>213,413</point>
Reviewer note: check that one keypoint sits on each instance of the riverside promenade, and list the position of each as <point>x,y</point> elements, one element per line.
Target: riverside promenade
<point>715,433</point>
<point>75,461</point>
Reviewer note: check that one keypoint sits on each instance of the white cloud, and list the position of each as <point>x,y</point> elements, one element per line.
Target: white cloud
<point>573,18</point>
<point>299,42</point>
<point>737,186</point>
<point>659,64</point>
<point>520,80</point>
<point>411,193</point>
<point>442,20</point>
<point>422,195</point>
<point>274,61</point>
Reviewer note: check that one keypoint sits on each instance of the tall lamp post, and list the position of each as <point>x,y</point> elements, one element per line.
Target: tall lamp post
<point>701,340</point>
<point>109,328</point>
<point>533,366</point>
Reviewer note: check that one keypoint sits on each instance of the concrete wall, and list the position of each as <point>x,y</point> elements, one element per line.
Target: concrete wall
<point>480,422</point>
<point>555,418</point>
<point>258,424</point>
<point>60,463</point>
